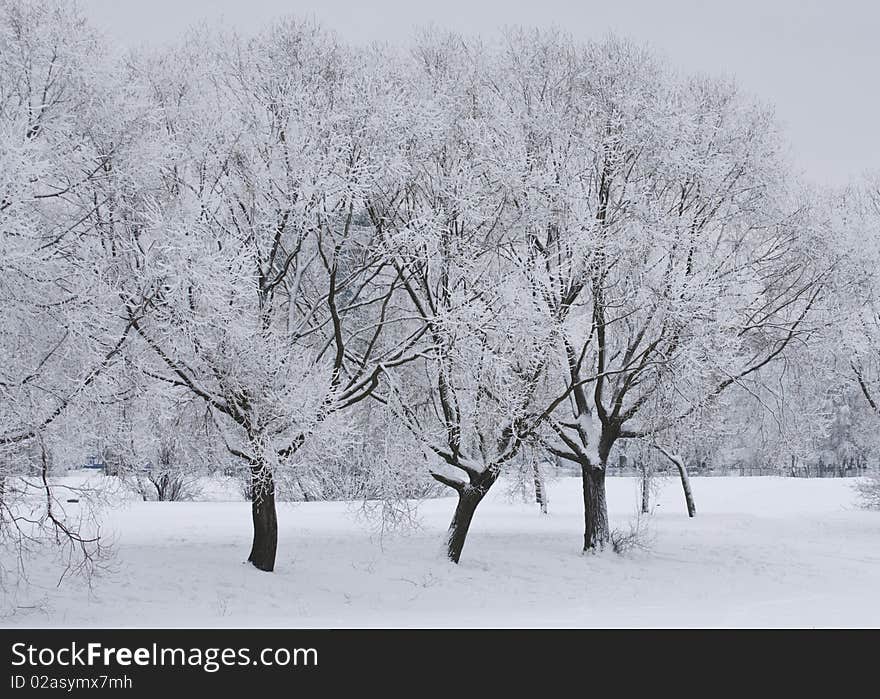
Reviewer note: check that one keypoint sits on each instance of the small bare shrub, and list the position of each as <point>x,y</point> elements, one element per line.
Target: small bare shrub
<point>635,537</point>
<point>167,481</point>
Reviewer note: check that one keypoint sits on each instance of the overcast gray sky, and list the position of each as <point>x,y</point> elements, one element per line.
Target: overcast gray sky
<point>816,61</point>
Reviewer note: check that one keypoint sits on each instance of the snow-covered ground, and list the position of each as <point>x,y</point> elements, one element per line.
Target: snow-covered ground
<point>761,552</point>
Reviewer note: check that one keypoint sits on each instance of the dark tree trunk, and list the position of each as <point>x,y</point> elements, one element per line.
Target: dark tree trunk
<point>468,499</point>
<point>596,531</point>
<point>265,519</point>
<point>540,488</point>
<point>646,489</point>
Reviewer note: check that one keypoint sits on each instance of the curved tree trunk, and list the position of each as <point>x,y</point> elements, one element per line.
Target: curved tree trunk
<point>468,499</point>
<point>596,530</point>
<point>686,487</point>
<point>469,496</point>
<point>685,479</point>
<point>265,519</point>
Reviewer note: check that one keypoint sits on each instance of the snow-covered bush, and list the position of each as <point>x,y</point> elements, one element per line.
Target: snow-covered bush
<point>868,491</point>
<point>167,480</point>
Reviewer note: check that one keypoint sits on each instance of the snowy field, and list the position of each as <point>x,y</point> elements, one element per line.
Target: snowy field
<point>761,552</point>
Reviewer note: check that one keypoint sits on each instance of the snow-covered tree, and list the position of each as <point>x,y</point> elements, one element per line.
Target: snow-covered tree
<point>67,127</point>
<point>268,300</point>
<point>450,226</point>
<point>665,241</point>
